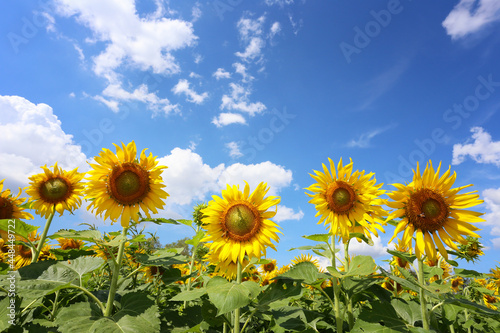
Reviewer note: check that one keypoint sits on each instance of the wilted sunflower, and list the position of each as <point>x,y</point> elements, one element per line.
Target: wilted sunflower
<point>435,212</point>
<point>347,201</point>
<point>57,189</point>
<point>9,205</point>
<point>121,185</point>
<point>238,224</point>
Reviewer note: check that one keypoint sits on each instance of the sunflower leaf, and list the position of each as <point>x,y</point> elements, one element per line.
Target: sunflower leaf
<point>17,227</point>
<point>227,296</point>
<point>93,236</point>
<point>305,271</point>
<point>318,237</point>
<point>196,238</point>
<point>280,290</point>
<point>361,265</point>
<point>468,273</point>
<point>137,313</point>
<point>83,265</point>
<point>403,255</point>
<point>361,236</point>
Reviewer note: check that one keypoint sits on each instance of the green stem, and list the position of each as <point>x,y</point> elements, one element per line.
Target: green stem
<point>237,311</point>
<point>350,315</point>
<point>54,306</point>
<point>469,329</point>
<point>336,291</point>
<point>191,264</point>
<point>248,320</point>
<point>44,235</point>
<point>423,302</point>
<point>116,273</point>
<point>224,328</point>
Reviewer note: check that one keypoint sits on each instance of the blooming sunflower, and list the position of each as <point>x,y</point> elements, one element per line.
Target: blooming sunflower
<point>269,267</point>
<point>121,185</point>
<point>10,205</point>
<point>435,212</point>
<point>69,243</point>
<point>23,253</point>
<point>347,201</point>
<point>238,224</point>
<point>456,283</point>
<point>57,189</point>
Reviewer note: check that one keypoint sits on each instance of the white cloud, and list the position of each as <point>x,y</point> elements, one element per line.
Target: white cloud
<point>496,243</point>
<point>131,42</point>
<point>482,150</point>
<point>491,197</point>
<point>196,12</point>
<point>376,250</point>
<point>220,73</point>
<point>251,34</point>
<point>285,213</point>
<point>141,94</point>
<point>182,87</point>
<point>242,70</point>
<point>365,138</point>
<point>32,137</point>
<point>296,26</point>
<point>194,75</point>
<point>225,119</point>
<point>281,3</point>
<point>189,179</point>
<point>253,50</point>
<point>239,101</point>
<point>198,58</point>
<point>275,29</point>
<point>470,16</point>
<point>234,149</point>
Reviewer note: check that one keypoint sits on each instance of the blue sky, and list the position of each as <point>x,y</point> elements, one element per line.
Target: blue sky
<point>225,91</point>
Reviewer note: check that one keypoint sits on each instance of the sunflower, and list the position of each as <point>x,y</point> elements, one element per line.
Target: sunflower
<point>69,243</point>
<point>226,268</point>
<point>347,201</point>
<point>495,276</point>
<point>57,189</point>
<point>121,185</point>
<point>269,267</point>
<point>23,253</point>
<point>447,268</point>
<point>456,283</point>
<point>399,262</point>
<point>435,212</point>
<point>238,224</point>
<point>10,205</point>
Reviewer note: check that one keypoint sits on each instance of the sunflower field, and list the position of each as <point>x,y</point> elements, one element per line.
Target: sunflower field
<point>84,280</point>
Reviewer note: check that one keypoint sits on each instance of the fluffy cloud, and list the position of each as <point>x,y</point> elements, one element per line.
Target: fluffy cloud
<point>225,119</point>
<point>31,137</point>
<point>275,28</point>
<point>251,34</point>
<point>492,199</point>
<point>239,101</point>
<point>234,149</point>
<point>285,213</point>
<point>482,150</point>
<point>182,87</point>
<point>377,250</point>
<point>220,73</point>
<point>189,179</point>
<point>141,43</point>
<point>470,16</point>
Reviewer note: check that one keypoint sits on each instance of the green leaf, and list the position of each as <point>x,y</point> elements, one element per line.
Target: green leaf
<point>162,257</point>
<point>354,285</point>
<point>279,290</point>
<point>361,236</point>
<point>468,273</point>
<point>17,227</point>
<point>403,255</point>
<point>196,239</point>
<point>92,236</point>
<point>304,271</point>
<point>83,265</point>
<point>409,311</point>
<point>370,320</point>
<point>186,222</point>
<point>227,296</point>
<point>209,313</point>
<point>190,295</point>
<point>361,265</point>
<point>158,221</point>
<point>137,313</point>
<point>318,237</point>
<point>70,254</point>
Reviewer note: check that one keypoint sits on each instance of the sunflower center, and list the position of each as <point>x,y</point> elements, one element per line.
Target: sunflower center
<point>128,183</point>
<point>54,190</point>
<point>427,210</point>
<point>6,209</point>
<point>241,221</point>
<point>340,197</point>
<point>269,267</point>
